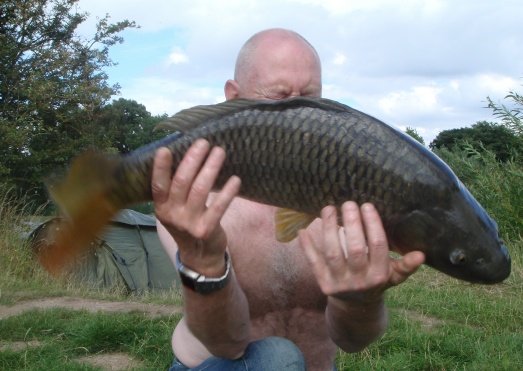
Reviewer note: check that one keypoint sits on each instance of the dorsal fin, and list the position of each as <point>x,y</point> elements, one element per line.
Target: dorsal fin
<point>191,118</point>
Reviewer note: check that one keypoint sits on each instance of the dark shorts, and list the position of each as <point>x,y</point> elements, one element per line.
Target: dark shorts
<point>269,354</point>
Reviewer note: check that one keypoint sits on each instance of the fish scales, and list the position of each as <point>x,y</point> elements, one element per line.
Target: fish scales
<point>329,147</point>
<point>303,154</point>
<point>341,141</point>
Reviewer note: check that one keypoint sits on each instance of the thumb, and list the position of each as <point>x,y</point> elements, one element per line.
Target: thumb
<point>405,266</point>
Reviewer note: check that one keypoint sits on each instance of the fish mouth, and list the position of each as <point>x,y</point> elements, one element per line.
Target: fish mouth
<point>499,271</point>
<point>506,266</point>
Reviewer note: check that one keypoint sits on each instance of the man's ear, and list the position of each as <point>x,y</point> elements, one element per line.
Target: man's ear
<point>232,90</point>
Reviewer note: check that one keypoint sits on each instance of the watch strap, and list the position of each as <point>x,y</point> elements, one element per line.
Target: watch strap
<point>199,282</point>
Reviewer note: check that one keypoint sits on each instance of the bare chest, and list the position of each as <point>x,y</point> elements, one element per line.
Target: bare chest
<point>275,276</point>
<point>284,298</point>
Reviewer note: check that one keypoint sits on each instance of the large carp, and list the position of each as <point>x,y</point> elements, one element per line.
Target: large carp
<point>300,154</point>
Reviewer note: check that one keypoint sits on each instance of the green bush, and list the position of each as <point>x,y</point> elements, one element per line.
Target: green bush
<point>498,186</point>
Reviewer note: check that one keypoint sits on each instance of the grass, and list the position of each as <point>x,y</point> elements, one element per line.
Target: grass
<point>65,335</point>
<point>436,322</point>
<point>439,323</point>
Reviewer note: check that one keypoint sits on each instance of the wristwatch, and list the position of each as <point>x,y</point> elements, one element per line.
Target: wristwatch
<point>200,283</point>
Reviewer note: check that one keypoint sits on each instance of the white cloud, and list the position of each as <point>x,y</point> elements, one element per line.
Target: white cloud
<point>417,98</point>
<point>342,7</point>
<point>339,59</point>
<point>496,84</point>
<point>168,96</point>
<point>177,56</point>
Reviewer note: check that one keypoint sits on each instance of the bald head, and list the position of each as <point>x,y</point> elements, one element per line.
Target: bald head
<point>275,64</point>
<point>265,41</point>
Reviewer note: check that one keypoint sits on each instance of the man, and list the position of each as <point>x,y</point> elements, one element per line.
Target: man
<point>268,305</point>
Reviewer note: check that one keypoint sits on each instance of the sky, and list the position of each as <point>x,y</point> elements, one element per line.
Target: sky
<point>425,64</point>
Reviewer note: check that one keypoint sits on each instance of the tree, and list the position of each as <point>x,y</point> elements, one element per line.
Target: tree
<point>414,134</point>
<point>127,125</point>
<point>492,136</point>
<point>52,85</point>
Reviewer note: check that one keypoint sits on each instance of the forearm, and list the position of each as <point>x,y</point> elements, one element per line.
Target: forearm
<point>220,320</point>
<point>353,325</point>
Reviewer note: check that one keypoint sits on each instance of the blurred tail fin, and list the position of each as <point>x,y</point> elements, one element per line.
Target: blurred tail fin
<point>87,200</point>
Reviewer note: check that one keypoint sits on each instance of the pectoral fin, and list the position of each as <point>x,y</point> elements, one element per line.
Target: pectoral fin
<point>289,222</point>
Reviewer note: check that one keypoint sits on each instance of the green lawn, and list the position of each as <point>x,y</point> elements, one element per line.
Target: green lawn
<point>436,323</point>
<point>63,336</point>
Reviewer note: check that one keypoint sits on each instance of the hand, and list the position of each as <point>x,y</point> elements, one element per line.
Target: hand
<point>181,204</point>
<point>364,270</point>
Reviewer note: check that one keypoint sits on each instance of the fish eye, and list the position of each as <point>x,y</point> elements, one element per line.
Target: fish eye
<point>458,257</point>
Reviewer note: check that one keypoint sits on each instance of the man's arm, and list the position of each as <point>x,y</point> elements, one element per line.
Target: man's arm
<point>354,325</point>
<point>219,320</point>
<point>354,271</point>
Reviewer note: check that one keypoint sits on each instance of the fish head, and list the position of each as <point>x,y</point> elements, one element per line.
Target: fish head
<point>459,239</point>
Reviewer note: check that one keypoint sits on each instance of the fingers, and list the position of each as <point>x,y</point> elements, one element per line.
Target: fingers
<point>187,170</point>
<point>194,178</point>
<point>365,267</point>
<point>221,203</point>
<point>369,230</point>
<point>203,182</point>
<point>354,235</point>
<point>332,252</point>
<point>182,202</point>
<point>205,178</point>
<point>161,175</point>
<point>314,257</point>
<point>376,237</point>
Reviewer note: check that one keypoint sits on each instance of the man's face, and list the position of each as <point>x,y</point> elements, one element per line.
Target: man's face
<point>282,71</point>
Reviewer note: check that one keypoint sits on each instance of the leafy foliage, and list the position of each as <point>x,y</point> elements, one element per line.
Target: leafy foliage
<point>492,136</point>
<point>52,85</point>
<point>124,125</point>
<point>414,134</point>
<point>512,115</point>
<point>497,186</point>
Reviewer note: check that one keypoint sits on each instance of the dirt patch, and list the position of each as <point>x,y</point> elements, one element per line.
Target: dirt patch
<point>91,305</point>
<point>111,361</point>
<point>106,361</point>
<point>18,346</point>
<point>427,322</point>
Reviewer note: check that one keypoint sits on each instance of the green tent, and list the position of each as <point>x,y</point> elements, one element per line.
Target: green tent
<point>128,253</point>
